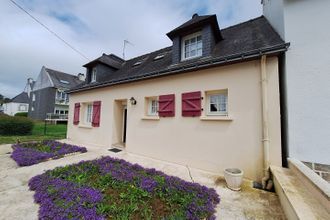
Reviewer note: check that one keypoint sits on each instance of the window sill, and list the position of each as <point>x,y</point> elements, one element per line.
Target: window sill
<point>216,118</point>
<point>85,126</point>
<point>155,118</point>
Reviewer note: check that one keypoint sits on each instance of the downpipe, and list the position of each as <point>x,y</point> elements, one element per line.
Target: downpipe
<point>266,181</point>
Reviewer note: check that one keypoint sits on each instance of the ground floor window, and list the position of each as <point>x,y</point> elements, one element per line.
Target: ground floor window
<point>89,112</point>
<point>217,102</point>
<point>151,106</point>
<point>22,108</point>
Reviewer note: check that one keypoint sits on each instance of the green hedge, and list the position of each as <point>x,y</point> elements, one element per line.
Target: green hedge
<point>16,125</point>
<point>22,114</point>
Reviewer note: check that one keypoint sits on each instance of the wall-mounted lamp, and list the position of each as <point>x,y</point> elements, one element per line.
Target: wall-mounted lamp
<point>133,101</point>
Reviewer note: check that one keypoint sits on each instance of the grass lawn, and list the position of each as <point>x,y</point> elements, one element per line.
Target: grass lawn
<point>53,132</point>
<point>109,188</point>
<point>26,154</point>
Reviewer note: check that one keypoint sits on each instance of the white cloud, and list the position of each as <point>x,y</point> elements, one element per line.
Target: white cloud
<point>95,27</point>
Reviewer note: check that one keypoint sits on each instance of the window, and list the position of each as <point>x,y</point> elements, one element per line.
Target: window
<point>192,46</point>
<point>22,108</point>
<point>159,56</point>
<point>89,112</point>
<point>33,97</point>
<point>62,96</point>
<point>217,102</point>
<point>66,112</point>
<point>64,81</point>
<point>93,78</point>
<point>153,107</point>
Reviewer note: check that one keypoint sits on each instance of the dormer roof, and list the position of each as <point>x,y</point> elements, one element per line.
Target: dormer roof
<point>109,60</point>
<point>196,22</point>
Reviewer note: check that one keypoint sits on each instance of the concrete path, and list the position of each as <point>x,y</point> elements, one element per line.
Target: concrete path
<point>16,201</point>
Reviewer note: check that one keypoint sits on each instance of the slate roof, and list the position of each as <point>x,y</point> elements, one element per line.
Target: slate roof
<point>21,98</point>
<point>245,41</point>
<point>60,78</point>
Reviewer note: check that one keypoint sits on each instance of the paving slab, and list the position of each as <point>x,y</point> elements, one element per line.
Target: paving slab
<point>16,201</point>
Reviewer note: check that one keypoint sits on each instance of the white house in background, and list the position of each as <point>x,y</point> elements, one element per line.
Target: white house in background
<point>305,24</point>
<point>19,103</point>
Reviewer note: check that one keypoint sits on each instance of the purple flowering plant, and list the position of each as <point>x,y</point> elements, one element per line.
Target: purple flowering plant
<point>109,188</point>
<point>27,154</point>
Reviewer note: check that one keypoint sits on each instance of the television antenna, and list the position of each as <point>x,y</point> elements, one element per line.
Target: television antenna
<point>124,47</point>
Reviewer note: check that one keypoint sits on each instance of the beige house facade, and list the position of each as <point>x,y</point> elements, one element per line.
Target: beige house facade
<point>208,116</point>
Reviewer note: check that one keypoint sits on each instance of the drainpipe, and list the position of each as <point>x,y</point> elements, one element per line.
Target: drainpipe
<point>265,132</point>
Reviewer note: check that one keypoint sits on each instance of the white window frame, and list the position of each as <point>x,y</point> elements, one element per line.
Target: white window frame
<point>153,106</point>
<point>183,46</point>
<point>88,113</point>
<point>209,94</point>
<point>93,75</point>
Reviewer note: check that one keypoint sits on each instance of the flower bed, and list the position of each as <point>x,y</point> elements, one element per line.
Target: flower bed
<point>110,188</point>
<point>27,154</point>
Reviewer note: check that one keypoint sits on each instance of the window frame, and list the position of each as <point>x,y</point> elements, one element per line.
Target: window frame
<point>93,75</point>
<point>208,102</point>
<point>183,46</point>
<point>88,115</point>
<point>151,106</point>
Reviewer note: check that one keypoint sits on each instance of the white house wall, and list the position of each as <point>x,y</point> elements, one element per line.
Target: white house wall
<point>12,108</point>
<point>308,79</point>
<point>208,145</point>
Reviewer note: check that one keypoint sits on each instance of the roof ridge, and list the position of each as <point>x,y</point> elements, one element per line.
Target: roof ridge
<point>244,22</point>
<point>60,72</point>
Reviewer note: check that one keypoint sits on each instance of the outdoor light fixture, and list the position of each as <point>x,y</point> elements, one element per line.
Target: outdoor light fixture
<point>133,101</point>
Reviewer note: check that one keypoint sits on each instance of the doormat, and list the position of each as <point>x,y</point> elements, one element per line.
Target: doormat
<point>115,150</point>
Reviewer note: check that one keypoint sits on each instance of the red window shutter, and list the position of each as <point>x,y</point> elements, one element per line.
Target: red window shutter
<point>76,113</point>
<point>96,114</point>
<point>191,104</point>
<point>166,105</point>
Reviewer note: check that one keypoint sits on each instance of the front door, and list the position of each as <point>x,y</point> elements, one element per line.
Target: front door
<point>125,124</point>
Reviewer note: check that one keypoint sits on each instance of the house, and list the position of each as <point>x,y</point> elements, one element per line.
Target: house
<point>210,100</point>
<point>19,103</point>
<point>48,97</point>
<point>306,79</point>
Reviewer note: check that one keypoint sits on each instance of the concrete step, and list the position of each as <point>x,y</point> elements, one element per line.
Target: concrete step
<point>298,200</point>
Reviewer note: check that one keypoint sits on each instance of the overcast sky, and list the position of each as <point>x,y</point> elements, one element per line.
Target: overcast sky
<point>95,27</point>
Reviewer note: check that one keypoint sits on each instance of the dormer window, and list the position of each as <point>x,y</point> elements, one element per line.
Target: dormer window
<point>93,78</point>
<point>192,46</point>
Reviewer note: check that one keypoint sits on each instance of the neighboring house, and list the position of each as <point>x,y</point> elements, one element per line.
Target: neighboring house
<point>306,78</point>
<point>210,101</point>
<point>48,97</point>
<point>19,103</point>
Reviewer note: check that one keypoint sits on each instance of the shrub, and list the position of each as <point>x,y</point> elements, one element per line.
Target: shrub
<point>22,114</point>
<point>15,125</point>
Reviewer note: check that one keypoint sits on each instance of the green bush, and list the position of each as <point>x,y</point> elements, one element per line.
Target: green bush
<point>16,125</point>
<point>22,114</point>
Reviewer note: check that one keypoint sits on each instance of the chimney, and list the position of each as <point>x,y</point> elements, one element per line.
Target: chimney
<point>81,76</point>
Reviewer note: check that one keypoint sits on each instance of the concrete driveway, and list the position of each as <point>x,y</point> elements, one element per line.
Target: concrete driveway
<point>16,201</point>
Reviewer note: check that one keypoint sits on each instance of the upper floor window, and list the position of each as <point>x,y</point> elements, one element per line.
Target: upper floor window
<point>192,46</point>
<point>93,78</point>
<point>62,96</point>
